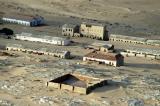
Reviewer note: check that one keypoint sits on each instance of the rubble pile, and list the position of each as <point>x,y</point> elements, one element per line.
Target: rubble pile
<point>135,102</point>
<point>17,88</point>
<point>43,100</point>
<point>6,103</point>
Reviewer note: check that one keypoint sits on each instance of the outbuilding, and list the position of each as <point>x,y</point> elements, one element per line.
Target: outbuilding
<point>111,59</point>
<point>26,20</point>
<point>43,38</point>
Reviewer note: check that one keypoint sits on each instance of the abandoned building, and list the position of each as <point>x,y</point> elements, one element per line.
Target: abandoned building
<point>26,20</point>
<point>101,46</point>
<point>153,42</point>
<point>127,39</point>
<point>77,83</point>
<point>97,31</point>
<point>70,30</point>
<point>43,38</point>
<point>40,51</point>
<point>141,52</point>
<point>111,59</point>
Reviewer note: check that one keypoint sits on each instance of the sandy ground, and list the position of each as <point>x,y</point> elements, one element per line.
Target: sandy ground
<point>29,73</point>
<point>23,77</point>
<point>138,17</point>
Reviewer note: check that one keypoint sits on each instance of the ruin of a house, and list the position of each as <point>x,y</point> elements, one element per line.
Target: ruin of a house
<point>91,30</point>
<point>43,38</point>
<point>112,59</point>
<point>76,83</point>
<point>101,46</point>
<point>127,39</point>
<point>153,42</point>
<point>95,31</point>
<point>26,20</point>
<point>40,51</point>
<point>133,40</point>
<point>70,30</point>
<point>141,52</point>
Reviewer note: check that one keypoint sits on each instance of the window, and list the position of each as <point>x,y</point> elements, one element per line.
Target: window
<point>88,25</point>
<point>82,30</point>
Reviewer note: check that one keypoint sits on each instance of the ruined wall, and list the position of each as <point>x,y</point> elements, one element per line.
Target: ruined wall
<point>93,31</point>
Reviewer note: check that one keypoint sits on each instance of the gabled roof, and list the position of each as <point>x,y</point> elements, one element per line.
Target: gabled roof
<point>69,26</point>
<point>104,44</point>
<point>22,17</point>
<point>43,36</point>
<point>145,50</point>
<point>104,56</point>
<point>76,80</point>
<point>128,37</point>
<point>20,46</point>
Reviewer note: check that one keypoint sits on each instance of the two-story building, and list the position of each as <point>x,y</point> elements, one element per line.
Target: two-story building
<point>95,31</point>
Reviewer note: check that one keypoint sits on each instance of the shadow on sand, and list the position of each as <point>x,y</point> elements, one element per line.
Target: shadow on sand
<point>110,86</point>
<point>148,66</point>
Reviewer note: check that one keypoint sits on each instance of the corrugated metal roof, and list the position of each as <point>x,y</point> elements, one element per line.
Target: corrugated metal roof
<point>21,17</point>
<point>128,37</point>
<point>106,56</point>
<point>144,50</point>
<point>37,48</point>
<point>42,36</point>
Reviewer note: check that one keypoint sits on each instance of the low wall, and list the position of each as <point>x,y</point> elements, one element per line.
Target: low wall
<point>67,87</point>
<point>126,54</point>
<point>140,55</point>
<point>80,90</point>
<point>60,55</point>
<point>77,89</point>
<point>53,85</point>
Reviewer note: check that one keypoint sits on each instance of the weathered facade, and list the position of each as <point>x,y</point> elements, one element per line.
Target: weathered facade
<point>77,83</point>
<point>70,30</point>
<point>127,39</point>
<point>111,59</point>
<point>26,20</point>
<point>39,51</point>
<point>141,52</point>
<point>43,39</point>
<point>134,40</point>
<point>95,31</point>
<point>101,46</point>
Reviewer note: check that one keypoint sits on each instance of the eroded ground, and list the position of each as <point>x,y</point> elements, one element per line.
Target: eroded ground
<point>23,76</point>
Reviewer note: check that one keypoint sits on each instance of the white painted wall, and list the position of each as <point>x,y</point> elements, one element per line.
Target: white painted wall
<point>109,62</point>
<point>52,41</point>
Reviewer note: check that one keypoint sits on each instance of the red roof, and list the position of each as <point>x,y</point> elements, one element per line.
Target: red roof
<point>20,16</point>
<point>104,56</point>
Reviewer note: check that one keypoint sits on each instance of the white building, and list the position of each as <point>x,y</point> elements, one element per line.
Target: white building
<point>40,51</point>
<point>43,39</point>
<point>26,20</point>
<point>127,39</point>
<point>105,58</point>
